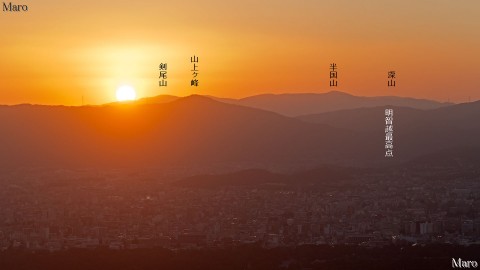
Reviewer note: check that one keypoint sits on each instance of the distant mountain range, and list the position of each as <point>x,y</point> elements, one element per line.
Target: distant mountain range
<point>194,131</point>
<point>302,104</point>
<point>197,132</point>
<point>310,103</point>
<point>416,132</point>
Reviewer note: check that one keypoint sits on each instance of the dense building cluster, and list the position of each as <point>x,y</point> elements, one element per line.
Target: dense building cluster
<point>67,209</point>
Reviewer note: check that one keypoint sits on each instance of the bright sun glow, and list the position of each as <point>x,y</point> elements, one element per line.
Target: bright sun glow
<point>125,93</point>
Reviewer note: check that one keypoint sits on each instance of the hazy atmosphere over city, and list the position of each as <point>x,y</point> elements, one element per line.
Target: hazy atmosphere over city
<point>240,135</point>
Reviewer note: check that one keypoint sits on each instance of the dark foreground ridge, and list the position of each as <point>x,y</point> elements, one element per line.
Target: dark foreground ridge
<point>245,257</point>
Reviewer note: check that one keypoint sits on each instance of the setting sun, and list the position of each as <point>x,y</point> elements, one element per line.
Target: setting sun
<point>126,93</point>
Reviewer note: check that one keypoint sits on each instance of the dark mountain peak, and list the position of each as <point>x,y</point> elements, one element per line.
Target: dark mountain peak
<point>338,93</point>
<point>203,104</point>
<point>196,99</point>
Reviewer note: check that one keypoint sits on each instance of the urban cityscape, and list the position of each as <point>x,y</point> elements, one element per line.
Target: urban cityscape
<point>58,210</point>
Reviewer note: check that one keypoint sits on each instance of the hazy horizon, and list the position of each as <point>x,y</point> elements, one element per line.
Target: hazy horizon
<point>59,52</point>
<point>86,103</point>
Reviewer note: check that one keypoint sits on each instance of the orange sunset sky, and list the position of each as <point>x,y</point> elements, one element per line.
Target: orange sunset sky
<point>59,51</point>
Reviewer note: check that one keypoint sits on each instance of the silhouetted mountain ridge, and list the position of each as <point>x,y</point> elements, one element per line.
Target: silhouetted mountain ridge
<point>311,103</point>
<point>297,104</point>
<point>193,131</point>
<point>416,132</point>
<point>198,132</point>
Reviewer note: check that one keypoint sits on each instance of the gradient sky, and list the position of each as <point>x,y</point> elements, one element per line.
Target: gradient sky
<point>59,51</point>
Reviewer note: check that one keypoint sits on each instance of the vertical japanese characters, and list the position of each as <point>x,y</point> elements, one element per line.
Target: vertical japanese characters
<point>194,60</point>
<point>333,75</point>
<point>391,78</point>
<point>388,132</point>
<point>389,120</point>
<point>163,74</point>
